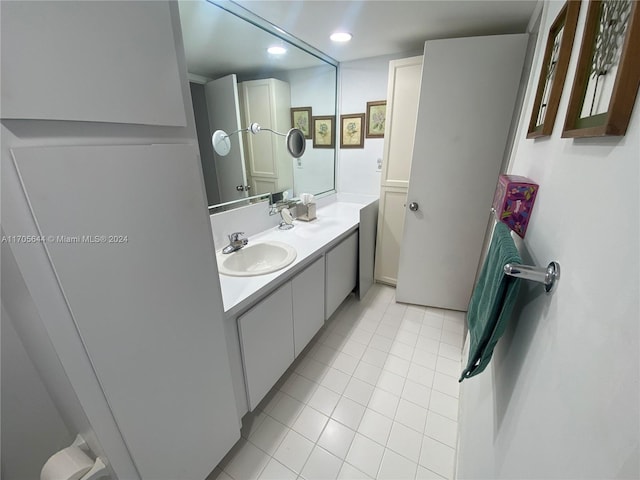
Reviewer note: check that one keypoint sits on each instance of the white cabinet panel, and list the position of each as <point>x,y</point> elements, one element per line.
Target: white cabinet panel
<point>69,63</point>
<point>367,247</point>
<point>403,95</point>
<point>266,338</point>
<point>390,227</point>
<point>308,304</point>
<point>263,185</point>
<point>144,298</point>
<point>341,272</point>
<point>259,103</point>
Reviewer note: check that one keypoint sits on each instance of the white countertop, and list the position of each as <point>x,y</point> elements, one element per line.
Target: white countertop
<point>334,221</point>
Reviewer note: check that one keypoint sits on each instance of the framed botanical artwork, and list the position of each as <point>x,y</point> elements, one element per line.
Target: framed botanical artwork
<point>608,71</point>
<point>376,116</point>
<point>352,130</point>
<point>324,132</point>
<point>554,70</point>
<point>301,119</point>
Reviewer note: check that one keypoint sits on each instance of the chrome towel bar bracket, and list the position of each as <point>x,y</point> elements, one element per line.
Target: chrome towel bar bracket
<point>548,276</point>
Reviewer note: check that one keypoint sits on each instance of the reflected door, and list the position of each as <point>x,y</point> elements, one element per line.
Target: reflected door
<point>224,114</point>
<point>467,98</point>
<point>269,166</point>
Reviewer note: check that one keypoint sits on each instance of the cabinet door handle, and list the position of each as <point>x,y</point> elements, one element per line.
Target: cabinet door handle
<point>413,206</point>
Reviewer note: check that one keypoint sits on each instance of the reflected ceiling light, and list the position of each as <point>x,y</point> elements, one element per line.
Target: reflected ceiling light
<point>341,37</point>
<point>277,50</point>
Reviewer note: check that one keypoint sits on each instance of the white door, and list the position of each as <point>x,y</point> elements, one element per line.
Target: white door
<point>224,114</point>
<point>468,92</point>
<point>403,93</point>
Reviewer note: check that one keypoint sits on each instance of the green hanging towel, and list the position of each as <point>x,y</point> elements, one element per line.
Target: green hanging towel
<point>492,301</point>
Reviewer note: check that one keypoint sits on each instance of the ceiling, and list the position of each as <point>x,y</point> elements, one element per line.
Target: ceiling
<point>217,43</point>
<point>381,27</point>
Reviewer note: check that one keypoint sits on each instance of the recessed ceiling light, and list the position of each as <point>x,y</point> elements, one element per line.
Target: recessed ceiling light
<point>341,37</point>
<point>277,50</point>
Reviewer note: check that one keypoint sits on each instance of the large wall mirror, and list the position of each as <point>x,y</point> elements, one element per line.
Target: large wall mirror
<point>235,81</point>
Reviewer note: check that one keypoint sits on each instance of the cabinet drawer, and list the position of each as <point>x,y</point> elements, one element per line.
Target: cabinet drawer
<point>266,339</point>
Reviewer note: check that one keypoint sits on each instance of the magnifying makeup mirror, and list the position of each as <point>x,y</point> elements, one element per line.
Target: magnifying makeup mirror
<point>296,143</point>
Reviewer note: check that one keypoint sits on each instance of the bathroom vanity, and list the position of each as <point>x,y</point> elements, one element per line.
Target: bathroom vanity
<point>271,318</point>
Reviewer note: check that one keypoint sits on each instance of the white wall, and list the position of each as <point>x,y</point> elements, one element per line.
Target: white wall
<point>560,399</point>
<point>362,81</point>
<point>311,87</point>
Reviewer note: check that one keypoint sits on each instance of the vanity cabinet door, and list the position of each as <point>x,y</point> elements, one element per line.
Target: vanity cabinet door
<point>308,304</point>
<point>266,339</point>
<point>341,272</point>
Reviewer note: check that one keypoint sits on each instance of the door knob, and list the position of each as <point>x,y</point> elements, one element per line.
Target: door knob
<point>240,188</point>
<point>413,206</point>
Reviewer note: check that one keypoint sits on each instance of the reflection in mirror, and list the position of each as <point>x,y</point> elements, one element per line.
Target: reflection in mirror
<point>243,202</point>
<point>296,143</point>
<point>234,82</point>
<point>295,139</point>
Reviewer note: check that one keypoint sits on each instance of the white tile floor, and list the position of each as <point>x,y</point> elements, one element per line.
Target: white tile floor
<point>375,395</point>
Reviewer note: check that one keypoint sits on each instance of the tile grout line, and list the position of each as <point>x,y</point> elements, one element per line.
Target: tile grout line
<point>330,417</point>
<point>353,314</point>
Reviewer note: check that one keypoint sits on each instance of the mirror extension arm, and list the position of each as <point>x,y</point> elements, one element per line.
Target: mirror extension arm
<point>296,143</point>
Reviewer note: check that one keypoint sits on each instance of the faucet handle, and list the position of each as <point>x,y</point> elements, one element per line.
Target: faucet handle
<point>235,236</point>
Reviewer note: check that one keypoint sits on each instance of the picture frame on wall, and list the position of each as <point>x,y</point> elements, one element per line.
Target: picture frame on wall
<point>352,130</point>
<point>608,71</point>
<point>554,70</point>
<point>301,119</point>
<point>376,118</point>
<point>324,131</point>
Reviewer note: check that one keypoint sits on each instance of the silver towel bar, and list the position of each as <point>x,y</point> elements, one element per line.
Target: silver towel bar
<point>549,276</point>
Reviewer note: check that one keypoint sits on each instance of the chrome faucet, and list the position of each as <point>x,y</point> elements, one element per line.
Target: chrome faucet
<point>236,242</point>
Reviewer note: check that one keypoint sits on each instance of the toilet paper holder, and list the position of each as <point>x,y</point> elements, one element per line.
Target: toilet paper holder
<point>73,463</point>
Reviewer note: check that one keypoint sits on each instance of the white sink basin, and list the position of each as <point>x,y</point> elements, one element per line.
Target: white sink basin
<point>256,259</point>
